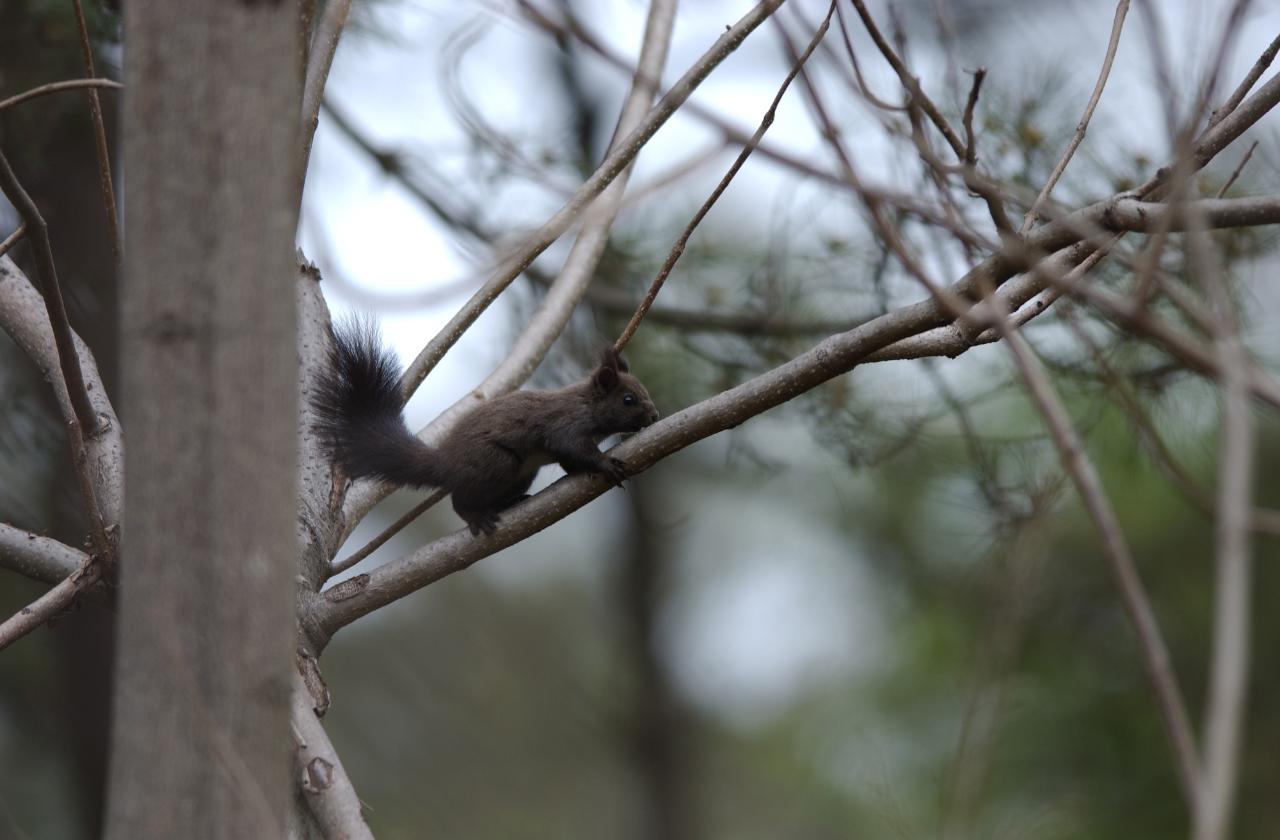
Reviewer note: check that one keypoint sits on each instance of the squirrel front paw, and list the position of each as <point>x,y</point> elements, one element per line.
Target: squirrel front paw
<point>615,470</point>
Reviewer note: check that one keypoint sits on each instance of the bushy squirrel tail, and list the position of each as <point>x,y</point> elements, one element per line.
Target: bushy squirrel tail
<point>359,412</point>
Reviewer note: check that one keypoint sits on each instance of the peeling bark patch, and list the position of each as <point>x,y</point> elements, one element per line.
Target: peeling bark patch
<point>349,588</point>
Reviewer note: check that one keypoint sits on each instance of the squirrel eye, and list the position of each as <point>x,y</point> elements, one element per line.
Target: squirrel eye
<point>629,399</point>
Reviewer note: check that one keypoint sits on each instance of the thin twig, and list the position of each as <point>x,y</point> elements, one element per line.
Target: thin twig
<point>1239,168</point>
<point>57,87</point>
<point>100,140</point>
<point>971,141</point>
<point>12,239</point>
<point>683,240</point>
<point>340,566</point>
<point>1117,25</point>
<point>1246,84</point>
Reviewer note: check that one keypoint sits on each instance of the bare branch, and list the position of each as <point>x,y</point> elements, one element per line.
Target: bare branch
<point>970,139</point>
<point>911,83</point>
<point>320,774</point>
<point>39,558</point>
<point>1246,84</point>
<point>683,239</point>
<point>1235,173</point>
<point>340,566</point>
<point>1217,137</point>
<point>57,87</point>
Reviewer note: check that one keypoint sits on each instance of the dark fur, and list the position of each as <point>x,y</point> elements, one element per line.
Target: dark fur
<point>491,455</point>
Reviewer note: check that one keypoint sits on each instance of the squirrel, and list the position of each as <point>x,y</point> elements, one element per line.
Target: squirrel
<point>490,456</point>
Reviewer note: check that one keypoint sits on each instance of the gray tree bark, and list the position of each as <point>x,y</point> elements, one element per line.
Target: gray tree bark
<point>201,737</point>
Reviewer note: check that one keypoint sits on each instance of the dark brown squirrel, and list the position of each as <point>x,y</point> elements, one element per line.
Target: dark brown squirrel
<point>490,456</point>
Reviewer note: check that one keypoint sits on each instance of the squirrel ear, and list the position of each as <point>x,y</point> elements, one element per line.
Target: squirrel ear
<point>605,377</point>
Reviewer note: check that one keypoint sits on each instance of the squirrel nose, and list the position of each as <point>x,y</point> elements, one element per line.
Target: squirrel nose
<point>653,415</point>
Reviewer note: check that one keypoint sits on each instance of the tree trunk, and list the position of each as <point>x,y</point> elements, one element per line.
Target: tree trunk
<point>201,736</point>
